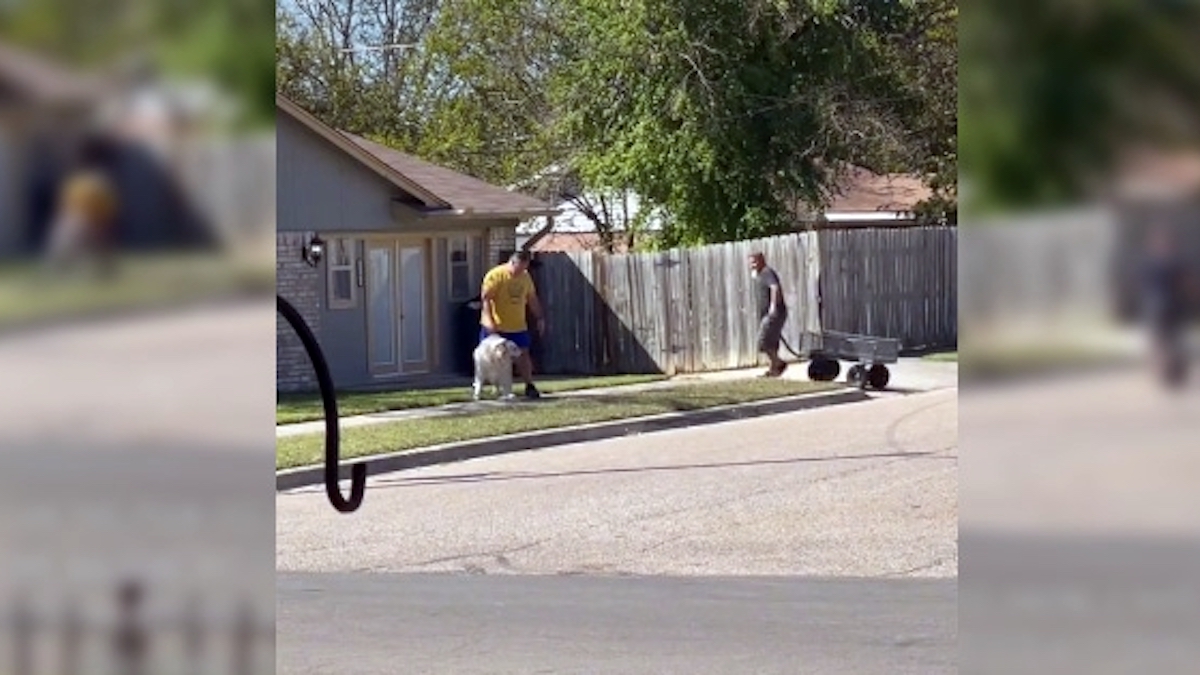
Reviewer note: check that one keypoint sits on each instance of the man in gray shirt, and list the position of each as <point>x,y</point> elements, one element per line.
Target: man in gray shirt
<point>772,312</point>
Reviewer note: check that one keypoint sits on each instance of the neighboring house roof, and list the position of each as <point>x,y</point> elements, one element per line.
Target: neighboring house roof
<point>571,241</point>
<point>862,198</point>
<point>43,81</point>
<point>1155,174</point>
<point>442,191</point>
<point>863,190</point>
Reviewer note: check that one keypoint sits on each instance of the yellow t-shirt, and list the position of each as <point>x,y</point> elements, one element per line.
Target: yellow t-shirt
<point>90,196</point>
<point>510,295</point>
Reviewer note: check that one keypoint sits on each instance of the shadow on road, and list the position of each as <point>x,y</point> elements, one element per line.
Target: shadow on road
<point>911,390</point>
<point>493,477</point>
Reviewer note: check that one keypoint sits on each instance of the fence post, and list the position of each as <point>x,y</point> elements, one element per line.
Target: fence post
<point>193,635</point>
<point>243,641</point>
<point>23,629</point>
<point>130,639</point>
<point>72,639</point>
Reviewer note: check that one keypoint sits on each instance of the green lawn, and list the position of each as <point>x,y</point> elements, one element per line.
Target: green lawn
<point>520,417</point>
<point>28,293</point>
<point>290,409</point>
<point>1032,359</point>
<point>943,357</point>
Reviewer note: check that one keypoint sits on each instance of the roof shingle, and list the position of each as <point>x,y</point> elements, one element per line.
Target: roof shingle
<point>863,190</point>
<point>462,192</point>
<point>45,81</point>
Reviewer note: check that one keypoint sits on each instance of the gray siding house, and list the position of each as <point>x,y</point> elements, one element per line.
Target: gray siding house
<point>46,109</point>
<point>39,103</point>
<point>407,243</point>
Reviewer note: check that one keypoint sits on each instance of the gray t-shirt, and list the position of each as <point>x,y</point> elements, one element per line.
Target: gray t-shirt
<point>766,279</point>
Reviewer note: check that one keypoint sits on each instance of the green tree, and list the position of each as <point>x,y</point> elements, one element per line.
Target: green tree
<point>1052,92</point>
<point>726,118</point>
<point>227,41</point>
<point>729,115</point>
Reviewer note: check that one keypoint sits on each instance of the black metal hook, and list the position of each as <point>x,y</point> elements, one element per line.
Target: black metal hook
<point>358,472</point>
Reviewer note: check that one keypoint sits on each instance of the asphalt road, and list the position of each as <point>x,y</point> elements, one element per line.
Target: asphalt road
<point>817,542</point>
<point>1080,536</point>
<point>1098,453</point>
<point>366,624</point>
<point>861,490</point>
<point>140,448</point>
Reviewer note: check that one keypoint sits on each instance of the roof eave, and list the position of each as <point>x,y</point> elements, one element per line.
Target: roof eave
<point>865,215</point>
<point>471,214</point>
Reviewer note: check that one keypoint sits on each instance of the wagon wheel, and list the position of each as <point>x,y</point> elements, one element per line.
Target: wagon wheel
<point>878,376</point>
<point>822,369</point>
<point>857,376</point>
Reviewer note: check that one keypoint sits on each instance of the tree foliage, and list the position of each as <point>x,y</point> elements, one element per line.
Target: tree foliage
<point>1053,91</point>
<point>730,114</point>
<point>226,41</point>
<point>726,117</point>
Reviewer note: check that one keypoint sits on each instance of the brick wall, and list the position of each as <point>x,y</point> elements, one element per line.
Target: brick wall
<point>500,241</point>
<point>300,285</point>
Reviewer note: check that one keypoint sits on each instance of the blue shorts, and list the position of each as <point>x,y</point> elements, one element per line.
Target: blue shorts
<point>521,339</point>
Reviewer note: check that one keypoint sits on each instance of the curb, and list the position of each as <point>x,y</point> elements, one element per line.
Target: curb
<point>290,479</point>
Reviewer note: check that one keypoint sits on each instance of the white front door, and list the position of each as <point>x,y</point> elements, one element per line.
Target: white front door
<point>397,307</point>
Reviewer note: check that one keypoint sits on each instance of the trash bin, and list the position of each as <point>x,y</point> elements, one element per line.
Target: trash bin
<point>466,335</point>
<point>536,344</point>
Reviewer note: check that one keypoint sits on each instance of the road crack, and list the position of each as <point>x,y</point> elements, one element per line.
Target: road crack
<point>500,556</point>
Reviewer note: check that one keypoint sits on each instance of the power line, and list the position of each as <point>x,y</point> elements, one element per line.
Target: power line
<point>380,48</point>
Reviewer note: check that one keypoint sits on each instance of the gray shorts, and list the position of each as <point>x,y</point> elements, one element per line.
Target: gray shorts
<point>770,329</point>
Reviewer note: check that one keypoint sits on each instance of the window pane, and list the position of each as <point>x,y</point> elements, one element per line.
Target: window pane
<point>412,274</point>
<point>458,250</point>
<point>381,303</point>
<point>340,249</point>
<point>343,288</point>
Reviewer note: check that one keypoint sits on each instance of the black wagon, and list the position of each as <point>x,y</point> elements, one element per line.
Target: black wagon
<point>869,354</point>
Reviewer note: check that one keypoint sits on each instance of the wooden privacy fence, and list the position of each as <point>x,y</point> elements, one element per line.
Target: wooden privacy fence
<point>1035,268</point>
<point>693,310</point>
<point>131,639</point>
<point>232,181</point>
<point>892,282</point>
<point>677,311</point>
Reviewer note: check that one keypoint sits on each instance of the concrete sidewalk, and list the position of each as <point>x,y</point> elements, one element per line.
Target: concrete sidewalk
<point>909,375</point>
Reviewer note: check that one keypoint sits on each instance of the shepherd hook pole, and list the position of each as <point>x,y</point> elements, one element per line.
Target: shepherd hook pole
<point>358,472</point>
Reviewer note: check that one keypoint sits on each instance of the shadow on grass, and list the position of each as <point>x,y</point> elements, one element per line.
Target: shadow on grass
<point>304,407</point>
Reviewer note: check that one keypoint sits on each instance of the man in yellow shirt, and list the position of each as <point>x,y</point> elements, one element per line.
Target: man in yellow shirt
<point>508,291</point>
<point>87,211</point>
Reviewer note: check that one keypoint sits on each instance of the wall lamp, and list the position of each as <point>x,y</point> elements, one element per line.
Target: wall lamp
<point>313,251</point>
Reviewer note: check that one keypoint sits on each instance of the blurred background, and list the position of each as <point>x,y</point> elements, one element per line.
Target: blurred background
<point>137,453</point>
<point>1079,258</point>
<point>136,336</point>
<point>140,130</point>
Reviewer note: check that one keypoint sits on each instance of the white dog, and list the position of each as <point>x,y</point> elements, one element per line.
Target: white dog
<point>494,365</point>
